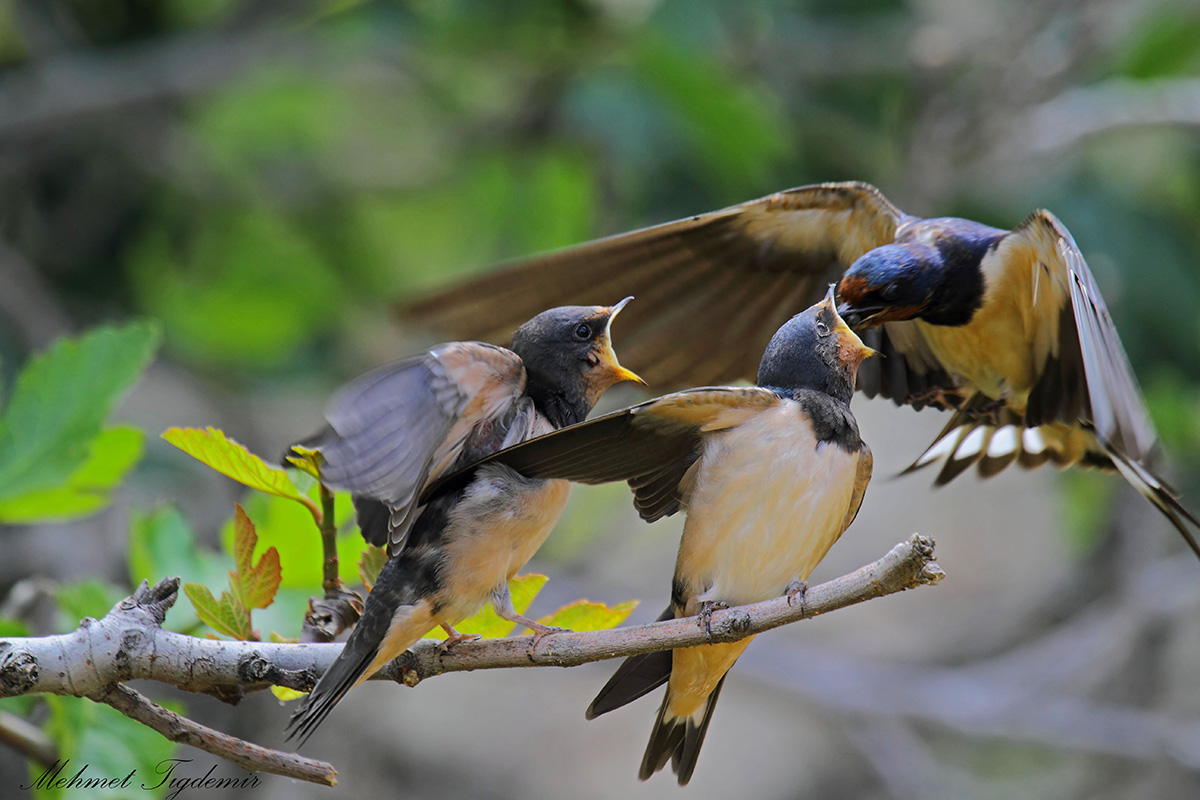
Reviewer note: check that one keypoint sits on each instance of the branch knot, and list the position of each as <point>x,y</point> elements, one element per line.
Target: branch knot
<point>19,672</point>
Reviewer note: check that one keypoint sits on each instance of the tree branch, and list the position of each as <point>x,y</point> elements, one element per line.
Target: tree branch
<point>27,739</point>
<point>184,731</point>
<point>906,566</point>
<point>129,643</point>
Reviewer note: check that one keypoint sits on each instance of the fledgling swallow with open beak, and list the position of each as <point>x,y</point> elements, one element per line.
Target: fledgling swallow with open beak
<point>1006,329</point>
<point>397,429</point>
<point>770,477</point>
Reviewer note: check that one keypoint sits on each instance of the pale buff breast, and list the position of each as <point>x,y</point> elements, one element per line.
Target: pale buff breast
<point>767,504</point>
<point>501,522</point>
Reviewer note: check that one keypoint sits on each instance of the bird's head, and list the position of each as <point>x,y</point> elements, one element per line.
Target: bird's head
<point>814,350</point>
<point>889,284</point>
<point>568,351</point>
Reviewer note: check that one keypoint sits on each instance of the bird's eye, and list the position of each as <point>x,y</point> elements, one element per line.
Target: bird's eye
<point>822,328</point>
<point>583,332</point>
<point>891,291</point>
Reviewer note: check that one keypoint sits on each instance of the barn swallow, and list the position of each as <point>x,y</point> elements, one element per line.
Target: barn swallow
<point>1006,329</point>
<point>398,428</point>
<point>770,476</point>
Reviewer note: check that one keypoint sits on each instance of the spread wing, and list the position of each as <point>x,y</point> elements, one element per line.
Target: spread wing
<point>1085,405</point>
<point>651,445</point>
<point>396,428</point>
<point>712,289</point>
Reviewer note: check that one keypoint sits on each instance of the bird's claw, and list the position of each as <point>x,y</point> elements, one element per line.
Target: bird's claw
<point>706,611</point>
<point>453,637</point>
<point>541,631</point>
<point>796,588</point>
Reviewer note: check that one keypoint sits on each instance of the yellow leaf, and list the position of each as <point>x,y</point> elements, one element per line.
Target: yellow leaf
<point>210,446</point>
<point>286,695</point>
<point>584,615</point>
<point>305,460</point>
<point>226,615</point>
<point>523,588</point>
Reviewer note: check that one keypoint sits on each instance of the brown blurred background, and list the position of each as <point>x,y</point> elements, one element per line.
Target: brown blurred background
<point>264,177</point>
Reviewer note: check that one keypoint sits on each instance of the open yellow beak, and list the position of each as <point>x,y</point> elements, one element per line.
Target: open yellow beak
<point>849,342</point>
<point>608,356</point>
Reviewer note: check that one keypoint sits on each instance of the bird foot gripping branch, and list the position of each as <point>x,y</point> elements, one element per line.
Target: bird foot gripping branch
<point>795,592</point>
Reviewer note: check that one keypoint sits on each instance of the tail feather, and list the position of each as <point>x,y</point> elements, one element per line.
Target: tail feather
<point>382,633</point>
<point>637,676</point>
<point>1162,496</point>
<point>678,740</point>
<point>340,678</point>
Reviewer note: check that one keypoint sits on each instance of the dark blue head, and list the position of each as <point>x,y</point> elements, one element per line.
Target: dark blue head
<point>889,283</point>
<point>934,272</point>
<point>814,350</point>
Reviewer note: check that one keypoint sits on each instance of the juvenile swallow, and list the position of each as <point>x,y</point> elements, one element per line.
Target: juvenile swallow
<point>1006,329</point>
<point>770,477</point>
<point>398,428</point>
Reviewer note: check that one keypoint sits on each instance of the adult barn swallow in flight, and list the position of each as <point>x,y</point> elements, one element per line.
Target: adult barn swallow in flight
<point>396,429</point>
<point>1007,329</point>
<point>770,477</point>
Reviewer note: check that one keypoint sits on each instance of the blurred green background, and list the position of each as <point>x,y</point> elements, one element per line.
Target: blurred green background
<point>264,178</point>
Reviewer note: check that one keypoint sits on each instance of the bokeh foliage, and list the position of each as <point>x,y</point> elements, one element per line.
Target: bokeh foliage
<point>263,178</point>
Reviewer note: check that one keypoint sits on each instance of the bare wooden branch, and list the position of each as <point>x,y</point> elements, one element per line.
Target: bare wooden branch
<point>245,754</point>
<point>27,739</point>
<point>130,644</point>
<point>906,566</point>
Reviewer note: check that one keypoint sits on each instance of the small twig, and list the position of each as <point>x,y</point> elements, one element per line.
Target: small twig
<point>340,608</point>
<point>245,754</point>
<point>27,739</point>
<point>331,583</point>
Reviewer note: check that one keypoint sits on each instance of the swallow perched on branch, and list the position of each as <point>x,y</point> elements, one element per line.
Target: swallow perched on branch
<point>394,430</point>
<point>770,477</point>
<point>1006,329</point>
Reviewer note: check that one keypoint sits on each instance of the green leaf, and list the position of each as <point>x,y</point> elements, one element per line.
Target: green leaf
<point>1167,44</point>
<point>523,588</point>
<point>110,744</point>
<point>86,598</point>
<point>61,399</point>
<point>161,545</point>
<point>210,446</point>
<point>111,454</point>
<point>252,584</point>
<point>737,128</point>
<point>236,285</point>
<point>225,616</point>
<point>584,615</point>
